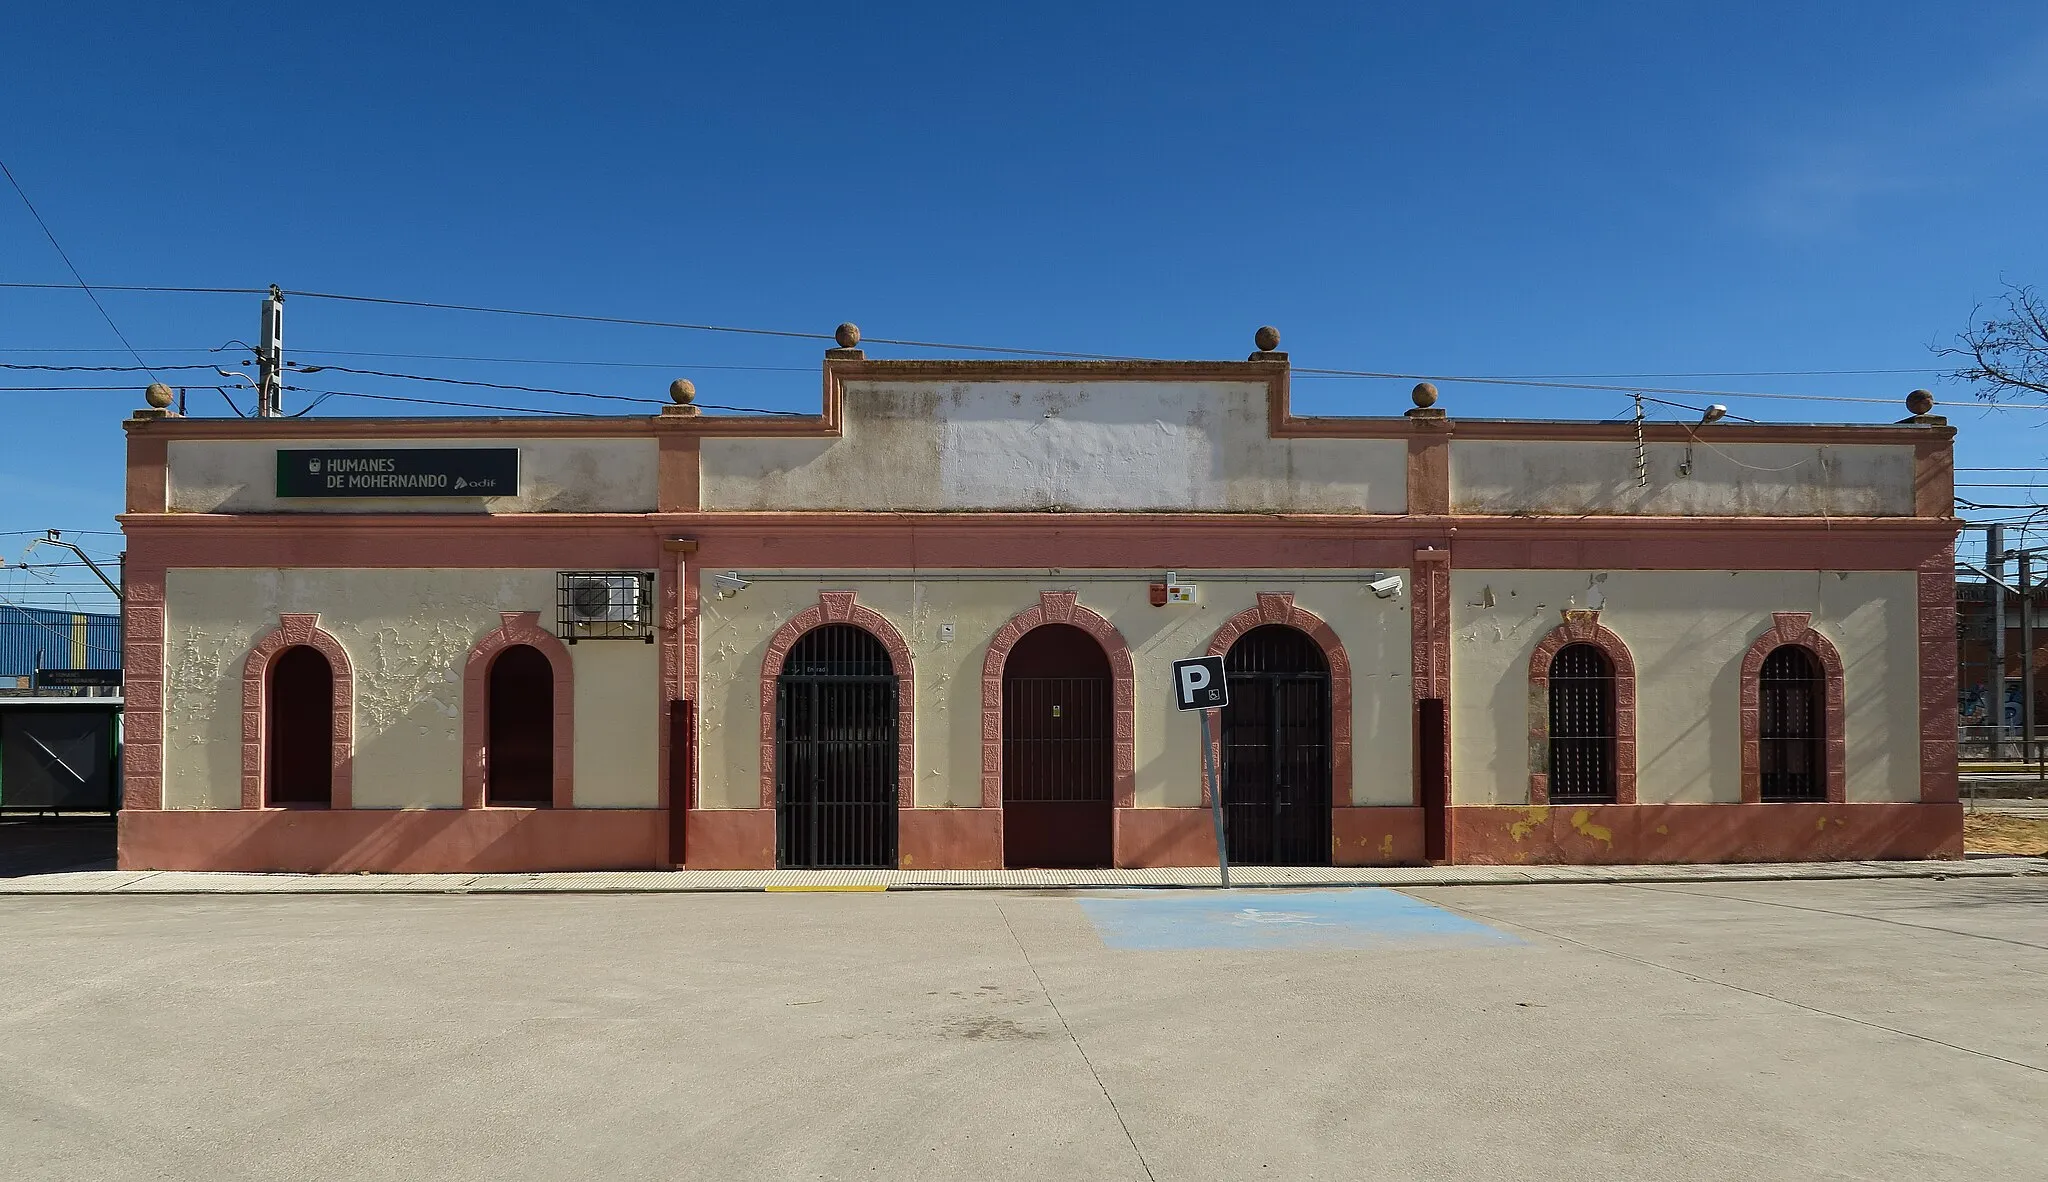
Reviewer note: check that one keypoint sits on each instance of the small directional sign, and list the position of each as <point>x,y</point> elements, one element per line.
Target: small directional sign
<point>1199,684</point>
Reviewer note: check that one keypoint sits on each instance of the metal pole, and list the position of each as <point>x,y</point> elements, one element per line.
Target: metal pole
<point>1215,793</point>
<point>2027,654</point>
<point>270,357</point>
<point>1994,560</point>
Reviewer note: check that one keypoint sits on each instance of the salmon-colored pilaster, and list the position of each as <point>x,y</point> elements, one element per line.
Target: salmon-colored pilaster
<point>1277,607</point>
<point>838,607</point>
<point>1429,465</point>
<point>142,687</point>
<point>1796,628</point>
<point>148,473</point>
<point>1061,607</point>
<point>949,839</point>
<point>517,628</point>
<point>1938,659</point>
<point>1582,626</point>
<point>296,629</point>
<point>1430,634</point>
<point>677,472</point>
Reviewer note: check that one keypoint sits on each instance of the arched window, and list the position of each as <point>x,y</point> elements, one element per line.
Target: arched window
<point>836,758</point>
<point>519,767</point>
<point>1791,726</point>
<point>1582,730</point>
<point>299,760</point>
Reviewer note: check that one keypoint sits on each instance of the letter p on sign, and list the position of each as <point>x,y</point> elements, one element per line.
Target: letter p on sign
<point>1199,684</point>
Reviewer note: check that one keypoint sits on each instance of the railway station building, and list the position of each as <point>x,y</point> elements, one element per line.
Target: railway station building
<point>931,626</point>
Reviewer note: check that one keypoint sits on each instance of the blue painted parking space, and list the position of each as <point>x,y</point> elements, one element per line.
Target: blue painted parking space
<point>1373,918</point>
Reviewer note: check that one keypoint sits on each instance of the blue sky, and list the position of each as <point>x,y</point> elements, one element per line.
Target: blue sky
<point>1627,189</point>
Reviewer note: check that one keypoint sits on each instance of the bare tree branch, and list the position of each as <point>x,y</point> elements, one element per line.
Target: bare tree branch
<point>2005,354</point>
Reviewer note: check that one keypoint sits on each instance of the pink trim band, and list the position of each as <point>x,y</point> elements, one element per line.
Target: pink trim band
<point>517,628</point>
<point>293,630</point>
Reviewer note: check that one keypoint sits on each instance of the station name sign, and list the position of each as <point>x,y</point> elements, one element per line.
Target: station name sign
<point>398,472</point>
<point>76,678</point>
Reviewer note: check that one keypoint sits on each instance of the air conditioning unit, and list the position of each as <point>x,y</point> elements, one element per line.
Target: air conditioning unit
<point>595,599</point>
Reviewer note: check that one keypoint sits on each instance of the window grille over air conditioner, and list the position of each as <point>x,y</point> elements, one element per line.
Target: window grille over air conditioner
<point>605,605</point>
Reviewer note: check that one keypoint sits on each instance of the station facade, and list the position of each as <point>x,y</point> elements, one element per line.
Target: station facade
<point>931,626</point>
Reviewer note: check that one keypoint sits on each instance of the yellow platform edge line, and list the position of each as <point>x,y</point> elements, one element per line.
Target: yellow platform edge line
<point>812,887</point>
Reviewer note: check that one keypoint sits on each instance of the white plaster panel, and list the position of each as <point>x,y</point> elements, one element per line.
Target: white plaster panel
<point>618,724</point>
<point>1688,632</point>
<point>408,633</point>
<point>1726,479</point>
<point>736,631</point>
<point>555,476</point>
<point>1145,446</point>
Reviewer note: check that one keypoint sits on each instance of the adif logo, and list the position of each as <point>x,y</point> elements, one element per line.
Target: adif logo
<point>313,466</point>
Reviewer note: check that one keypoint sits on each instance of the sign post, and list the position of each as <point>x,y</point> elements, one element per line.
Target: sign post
<point>1199,684</point>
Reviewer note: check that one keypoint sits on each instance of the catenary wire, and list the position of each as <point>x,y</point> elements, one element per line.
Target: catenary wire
<point>72,267</point>
<point>1050,353</point>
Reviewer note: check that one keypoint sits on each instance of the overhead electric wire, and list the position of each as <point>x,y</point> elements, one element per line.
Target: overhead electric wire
<point>83,285</point>
<point>150,370</point>
<point>416,377</point>
<point>1482,379</point>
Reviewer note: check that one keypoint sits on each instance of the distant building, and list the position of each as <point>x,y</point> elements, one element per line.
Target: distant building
<point>32,639</point>
<point>931,626</point>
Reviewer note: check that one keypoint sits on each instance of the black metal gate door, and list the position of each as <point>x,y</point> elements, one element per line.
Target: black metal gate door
<point>835,753</point>
<point>1058,731</point>
<point>1276,750</point>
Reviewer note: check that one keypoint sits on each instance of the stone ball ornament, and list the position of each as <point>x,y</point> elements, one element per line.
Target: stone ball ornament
<point>847,334</point>
<point>1267,338</point>
<point>1920,402</point>
<point>682,391</point>
<point>158,395</point>
<point>1424,394</point>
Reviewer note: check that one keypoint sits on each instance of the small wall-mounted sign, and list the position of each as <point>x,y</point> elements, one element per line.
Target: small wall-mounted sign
<point>74,678</point>
<point>398,472</point>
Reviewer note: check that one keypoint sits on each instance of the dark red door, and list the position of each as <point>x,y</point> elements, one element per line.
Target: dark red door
<point>1058,764</point>
<point>300,762</point>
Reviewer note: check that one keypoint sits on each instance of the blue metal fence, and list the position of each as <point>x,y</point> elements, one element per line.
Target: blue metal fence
<point>37,638</point>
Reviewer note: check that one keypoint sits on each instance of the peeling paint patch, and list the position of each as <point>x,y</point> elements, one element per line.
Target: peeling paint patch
<point>1387,846</point>
<point>1537,815</point>
<point>1583,822</point>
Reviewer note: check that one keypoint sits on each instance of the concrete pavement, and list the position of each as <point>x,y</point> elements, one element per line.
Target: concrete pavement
<point>1881,1028</point>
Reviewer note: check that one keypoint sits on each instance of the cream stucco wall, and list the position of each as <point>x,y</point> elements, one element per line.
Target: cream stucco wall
<point>736,631</point>
<point>1731,479</point>
<point>555,476</point>
<point>408,634</point>
<point>1687,632</point>
<point>1037,445</point>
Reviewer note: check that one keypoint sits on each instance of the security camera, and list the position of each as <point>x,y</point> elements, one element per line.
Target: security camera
<point>1387,587</point>
<point>730,583</point>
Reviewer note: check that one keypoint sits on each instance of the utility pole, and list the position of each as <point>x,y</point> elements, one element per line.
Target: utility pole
<point>2027,654</point>
<point>1994,559</point>
<point>270,357</point>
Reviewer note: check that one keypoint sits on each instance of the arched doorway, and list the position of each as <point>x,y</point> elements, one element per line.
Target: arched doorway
<point>835,752</point>
<point>1276,749</point>
<point>299,765</point>
<point>519,765</point>
<point>1058,763</point>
